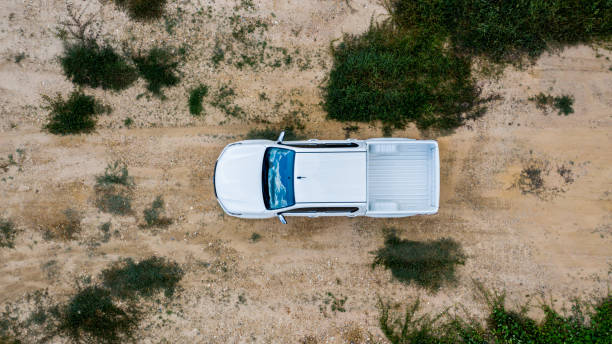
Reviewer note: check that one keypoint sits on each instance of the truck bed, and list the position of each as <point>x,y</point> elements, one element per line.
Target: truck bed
<point>403,177</point>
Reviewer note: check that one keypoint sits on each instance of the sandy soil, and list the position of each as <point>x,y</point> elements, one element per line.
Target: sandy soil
<point>553,245</point>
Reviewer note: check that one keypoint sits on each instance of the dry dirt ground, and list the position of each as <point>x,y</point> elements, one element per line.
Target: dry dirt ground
<point>551,245</point>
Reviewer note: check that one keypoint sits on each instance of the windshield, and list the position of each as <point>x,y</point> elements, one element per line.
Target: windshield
<point>277,178</point>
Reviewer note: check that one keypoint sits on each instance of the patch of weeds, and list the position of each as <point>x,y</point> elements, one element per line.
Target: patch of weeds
<point>75,115</point>
<point>50,269</point>
<point>335,304</point>
<point>242,299</point>
<point>66,227</point>
<point>566,174</point>
<point>218,54</point>
<point>196,96</point>
<point>93,316</point>
<point>143,10</point>
<point>223,100</point>
<point>8,232</point>
<point>562,103</point>
<point>115,173</point>
<point>504,31</point>
<point>394,77</point>
<point>118,203</point>
<point>291,125</point>
<point>128,122</point>
<point>263,96</point>
<point>531,180</point>
<point>255,237</point>
<point>86,63</point>
<point>159,68</point>
<point>153,215</point>
<point>127,279</point>
<point>429,264</point>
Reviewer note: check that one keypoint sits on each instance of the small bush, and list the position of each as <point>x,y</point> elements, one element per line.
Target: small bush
<point>92,316</point>
<point>8,232</point>
<point>128,122</point>
<point>153,215</point>
<point>118,203</point>
<point>531,180</point>
<point>115,173</point>
<point>75,115</point>
<point>255,237</point>
<point>88,64</point>
<point>127,279</point>
<point>562,103</point>
<point>429,264</point>
<point>142,9</point>
<point>195,99</point>
<point>159,68</point>
<point>397,78</point>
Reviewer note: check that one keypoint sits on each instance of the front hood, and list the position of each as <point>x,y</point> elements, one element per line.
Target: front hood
<point>238,178</point>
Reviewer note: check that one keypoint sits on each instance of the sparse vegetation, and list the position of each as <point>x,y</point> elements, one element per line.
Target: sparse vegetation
<point>429,264</point>
<point>128,122</point>
<point>8,232</point>
<point>93,316</point>
<point>159,67</point>
<point>86,63</point>
<point>75,115</point>
<point>503,325</point>
<point>223,100</point>
<point>531,180</point>
<point>153,215</point>
<point>115,203</point>
<point>127,279</point>
<point>291,134</point>
<point>196,96</point>
<point>142,9</point>
<point>255,237</point>
<point>114,188</point>
<point>562,103</point>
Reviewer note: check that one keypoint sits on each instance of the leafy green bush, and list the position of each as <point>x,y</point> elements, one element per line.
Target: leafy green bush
<point>506,30</point>
<point>429,264</point>
<point>153,215</point>
<point>75,115</point>
<point>86,63</point>
<point>503,325</point>
<point>127,279</point>
<point>159,68</point>
<point>562,103</point>
<point>92,316</point>
<point>195,99</point>
<point>115,173</point>
<point>395,77</point>
<point>142,9</point>
<point>8,232</point>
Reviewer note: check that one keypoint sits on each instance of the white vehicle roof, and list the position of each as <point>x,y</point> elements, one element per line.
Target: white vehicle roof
<point>330,177</point>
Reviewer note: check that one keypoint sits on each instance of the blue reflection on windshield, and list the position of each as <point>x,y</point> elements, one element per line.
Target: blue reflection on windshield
<point>279,163</point>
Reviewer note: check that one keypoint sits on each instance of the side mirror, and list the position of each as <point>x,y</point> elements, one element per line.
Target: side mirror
<point>281,218</point>
<point>281,137</point>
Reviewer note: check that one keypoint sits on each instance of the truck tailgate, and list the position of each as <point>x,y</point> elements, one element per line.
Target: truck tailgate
<point>403,177</point>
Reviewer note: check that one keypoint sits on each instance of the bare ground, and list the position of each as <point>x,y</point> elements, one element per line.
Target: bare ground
<point>551,243</point>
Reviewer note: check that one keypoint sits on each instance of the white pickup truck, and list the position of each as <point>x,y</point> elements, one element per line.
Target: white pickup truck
<point>385,177</point>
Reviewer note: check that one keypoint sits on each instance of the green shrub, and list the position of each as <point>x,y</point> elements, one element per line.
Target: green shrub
<point>159,68</point>
<point>127,279</point>
<point>195,99</point>
<point>92,316</point>
<point>88,64</point>
<point>429,264</point>
<point>153,215</point>
<point>128,122</point>
<point>75,115</point>
<point>115,173</point>
<point>395,77</point>
<point>142,9</point>
<point>506,30</point>
<point>8,232</point>
<point>562,103</point>
<point>255,237</point>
